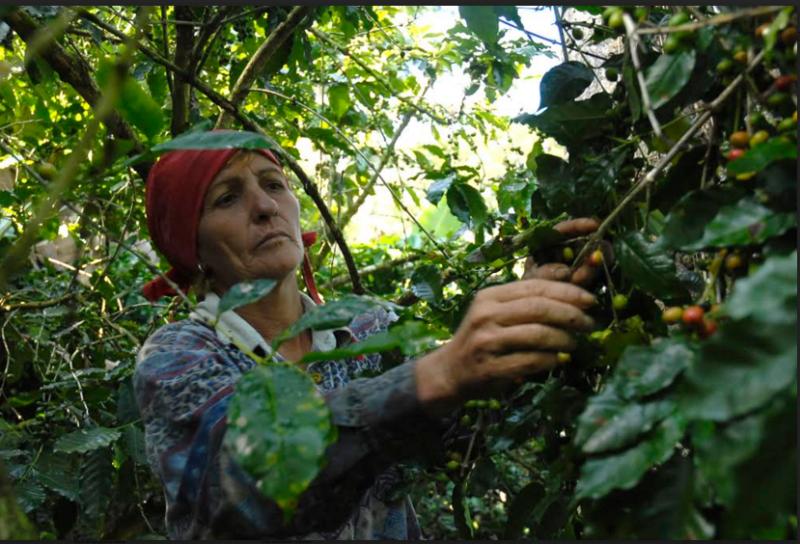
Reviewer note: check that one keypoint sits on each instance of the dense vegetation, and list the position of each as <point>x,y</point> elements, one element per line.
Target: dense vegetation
<point>677,128</point>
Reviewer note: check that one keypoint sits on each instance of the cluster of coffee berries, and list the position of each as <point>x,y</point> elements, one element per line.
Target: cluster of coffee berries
<point>693,318</point>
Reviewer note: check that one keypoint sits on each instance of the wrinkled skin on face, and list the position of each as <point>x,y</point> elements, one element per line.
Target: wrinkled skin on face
<point>250,224</point>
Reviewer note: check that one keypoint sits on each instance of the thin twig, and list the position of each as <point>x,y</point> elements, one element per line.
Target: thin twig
<point>561,37</point>
<point>721,19</point>
<point>633,44</point>
<point>650,177</point>
<point>532,35</point>
<point>479,427</point>
<point>392,264</point>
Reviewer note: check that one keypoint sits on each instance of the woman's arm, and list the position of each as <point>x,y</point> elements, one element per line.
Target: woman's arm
<point>183,383</point>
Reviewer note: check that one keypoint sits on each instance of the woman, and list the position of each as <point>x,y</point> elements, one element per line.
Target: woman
<point>224,216</point>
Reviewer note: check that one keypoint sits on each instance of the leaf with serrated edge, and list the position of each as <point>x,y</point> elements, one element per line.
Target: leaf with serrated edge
<point>84,440</point>
<point>278,429</point>
<point>599,476</point>
<point>644,370</point>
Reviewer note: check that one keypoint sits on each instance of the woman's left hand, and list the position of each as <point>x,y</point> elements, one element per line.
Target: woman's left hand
<point>582,275</point>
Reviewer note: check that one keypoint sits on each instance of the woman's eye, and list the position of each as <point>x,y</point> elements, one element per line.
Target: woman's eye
<point>225,199</point>
<point>274,185</point>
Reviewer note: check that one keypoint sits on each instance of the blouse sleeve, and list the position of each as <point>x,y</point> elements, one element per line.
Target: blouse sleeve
<point>183,382</point>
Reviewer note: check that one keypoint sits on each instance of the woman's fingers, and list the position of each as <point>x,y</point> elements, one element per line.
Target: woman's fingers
<point>577,227</point>
<point>530,337</point>
<point>515,290</point>
<point>521,363</point>
<point>543,310</point>
<point>549,271</point>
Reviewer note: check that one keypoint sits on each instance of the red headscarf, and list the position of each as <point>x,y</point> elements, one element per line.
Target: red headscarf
<point>176,187</point>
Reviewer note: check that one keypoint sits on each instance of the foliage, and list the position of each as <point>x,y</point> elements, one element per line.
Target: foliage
<point>654,430</point>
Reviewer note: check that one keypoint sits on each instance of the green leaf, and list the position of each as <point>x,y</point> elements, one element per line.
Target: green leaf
<point>339,99</point>
<point>461,514</point>
<point>59,473</point>
<point>573,122</point>
<point>482,21</point>
<point>632,90</point>
<point>644,370</point>
<point>84,440</point>
<point>244,293</point>
<point>609,422</point>
<point>688,218</point>
<point>668,511</point>
<point>135,105</point>
<point>409,337</point>
<point>30,494</point>
<point>580,191</point>
<point>564,82</point>
<point>323,137</point>
<point>438,188</point>
<point>623,470</point>
<point>778,23</point>
<point>338,313</point>
<point>426,283</point>
<point>95,483</point>
<point>765,498</point>
<point>157,84</point>
<point>515,194</point>
<point>134,444</point>
<point>769,294</point>
<point>467,204</point>
<point>759,157</point>
<point>753,356</point>
<point>278,429</point>
<point>719,448</point>
<point>649,267</point>
<point>745,222</point>
<point>216,140</point>
<point>668,75</point>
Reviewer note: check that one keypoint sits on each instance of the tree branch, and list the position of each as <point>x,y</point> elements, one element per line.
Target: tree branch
<point>77,74</point>
<point>633,45</point>
<point>184,45</point>
<point>264,53</point>
<point>338,281</point>
<point>206,36</point>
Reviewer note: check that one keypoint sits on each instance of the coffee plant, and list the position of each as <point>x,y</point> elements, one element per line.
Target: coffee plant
<point>675,127</point>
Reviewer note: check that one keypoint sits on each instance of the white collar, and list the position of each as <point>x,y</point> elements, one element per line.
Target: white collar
<point>231,327</point>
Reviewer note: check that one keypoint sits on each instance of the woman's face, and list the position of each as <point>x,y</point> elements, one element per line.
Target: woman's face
<point>250,223</point>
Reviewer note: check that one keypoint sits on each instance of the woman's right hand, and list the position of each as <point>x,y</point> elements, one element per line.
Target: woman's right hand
<point>509,331</point>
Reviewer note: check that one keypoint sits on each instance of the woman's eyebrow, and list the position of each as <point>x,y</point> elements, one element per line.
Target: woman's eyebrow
<point>269,170</point>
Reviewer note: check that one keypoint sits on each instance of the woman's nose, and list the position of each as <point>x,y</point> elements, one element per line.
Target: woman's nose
<point>263,206</point>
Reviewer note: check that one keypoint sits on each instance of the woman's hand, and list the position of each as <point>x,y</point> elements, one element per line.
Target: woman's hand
<point>512,330</point>
<point>509,331</point>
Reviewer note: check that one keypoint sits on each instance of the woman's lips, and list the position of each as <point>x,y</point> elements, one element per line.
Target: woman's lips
<point>270,236</point>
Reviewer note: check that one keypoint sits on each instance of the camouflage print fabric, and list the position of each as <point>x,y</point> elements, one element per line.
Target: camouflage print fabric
<point>185,374</point>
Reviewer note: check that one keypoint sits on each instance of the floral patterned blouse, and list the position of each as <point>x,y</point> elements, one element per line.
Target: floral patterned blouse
<point>185,374</point>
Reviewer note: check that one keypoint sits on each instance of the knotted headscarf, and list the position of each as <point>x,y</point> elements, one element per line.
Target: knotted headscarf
<point>174,194</point>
